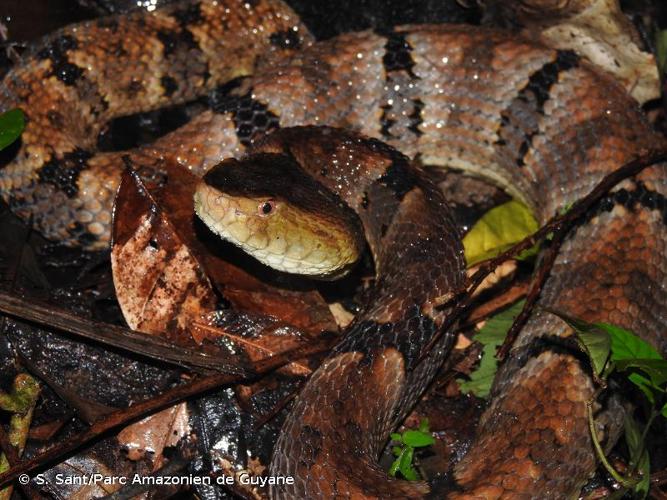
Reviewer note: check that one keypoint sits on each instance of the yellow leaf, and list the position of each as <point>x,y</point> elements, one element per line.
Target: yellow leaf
<point>497,230</point>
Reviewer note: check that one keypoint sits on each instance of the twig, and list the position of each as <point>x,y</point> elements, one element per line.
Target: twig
<point>492,306</point>
<point>150,406</point>
<point>117,419</point>
<point>116,336</point>
<point>559,226</point>
<point>546,263</point>
<point>277,408</point>
<point>87,410</point>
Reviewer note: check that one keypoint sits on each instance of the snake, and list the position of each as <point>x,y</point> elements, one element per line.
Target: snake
<point>543,123</point>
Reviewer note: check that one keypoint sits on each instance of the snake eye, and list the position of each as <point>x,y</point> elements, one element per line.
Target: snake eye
<point>266,207</point>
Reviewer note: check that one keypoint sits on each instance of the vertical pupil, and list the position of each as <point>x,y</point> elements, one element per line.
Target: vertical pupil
<point>266,208</point>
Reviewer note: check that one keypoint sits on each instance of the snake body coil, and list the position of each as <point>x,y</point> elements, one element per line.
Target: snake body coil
<point>542,123</point>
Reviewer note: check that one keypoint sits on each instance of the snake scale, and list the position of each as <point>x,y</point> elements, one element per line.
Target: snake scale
<point>540,122</point>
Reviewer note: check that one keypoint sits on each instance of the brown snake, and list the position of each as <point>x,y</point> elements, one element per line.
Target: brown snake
<point>542,123</point>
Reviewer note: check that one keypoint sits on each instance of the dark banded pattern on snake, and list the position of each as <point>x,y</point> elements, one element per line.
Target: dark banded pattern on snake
<point>79,78</point>
<point>476,109</point>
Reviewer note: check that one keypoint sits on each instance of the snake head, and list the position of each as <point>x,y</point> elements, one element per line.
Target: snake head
<point>273,210</point>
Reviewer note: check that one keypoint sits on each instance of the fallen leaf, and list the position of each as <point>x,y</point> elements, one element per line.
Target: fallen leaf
<point>497,230</point>
<point>159,284</point>
<point>154,226</point>
<point>155,433</point>
<point>12,123</point>
<point>258,337</point>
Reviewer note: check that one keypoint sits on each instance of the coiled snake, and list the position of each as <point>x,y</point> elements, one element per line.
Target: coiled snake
<point>540,122</point>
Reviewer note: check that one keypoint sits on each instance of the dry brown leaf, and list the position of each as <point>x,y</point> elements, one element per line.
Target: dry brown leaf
<point>159,284</point>
<point>155,433</point>
<point>342,316</point>
<point>259,343</point>
<point>162,269</point>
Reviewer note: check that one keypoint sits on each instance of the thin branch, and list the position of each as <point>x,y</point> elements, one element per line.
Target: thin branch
<point>116,336</point>
<point>277,408</point>
<point>150,406</point>
<point>559,226</point>
<point>117,419</point>
<point>491,307</point>
<point>546,263</point>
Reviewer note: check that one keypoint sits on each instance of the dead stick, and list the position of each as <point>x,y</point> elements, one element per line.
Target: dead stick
<point>117,419</point>
<point>115,336</point>
<point>559,225</point>
<point>548,259</point>
<point>488,309</point>
<point>168,398</point>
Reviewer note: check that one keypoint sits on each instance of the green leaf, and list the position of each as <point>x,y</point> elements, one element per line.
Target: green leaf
<point>644,385</point>
<point>612,347</point>
<point>491,335</point>
<point>396,463</point>
<point>639,458</point>
<point>405,465</point>
<point>663,412</point>
<point>418,439</point>
<point>22,397</point>
<point>661,50</point>
<point>592,339</point>
<point>497,230</point>
<point>12,123</point>
<point>627,345</point>
<point>409,439</point>
<point>630,353</point>
<point>482,378</point>
<point>656,369</point>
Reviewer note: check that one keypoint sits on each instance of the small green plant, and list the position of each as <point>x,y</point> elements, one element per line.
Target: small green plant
<point>20,402</point>
<point>610,349</point>
<point>491,335</point>
<point>404,449</point>
<point>614,349</point>
<point>12,123</point>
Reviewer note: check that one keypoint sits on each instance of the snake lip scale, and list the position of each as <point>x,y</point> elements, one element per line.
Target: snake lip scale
<point>542,123</point>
